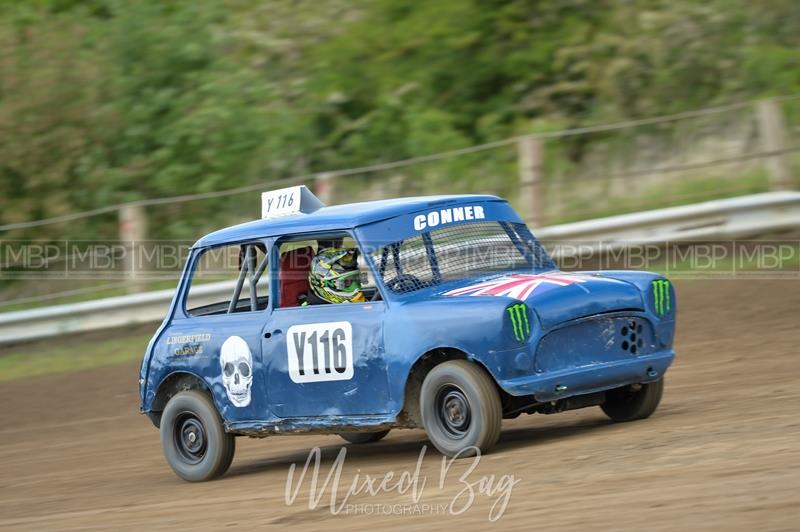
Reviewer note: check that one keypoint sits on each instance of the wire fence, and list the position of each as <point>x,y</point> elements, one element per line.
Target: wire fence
<point>393,165</point>
<point>582,173</point>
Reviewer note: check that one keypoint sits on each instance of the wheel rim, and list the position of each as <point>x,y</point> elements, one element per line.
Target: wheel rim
<point>190,437</point>
<point>453,411</point>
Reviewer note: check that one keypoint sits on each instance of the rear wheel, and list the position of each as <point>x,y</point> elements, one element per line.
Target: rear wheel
<point>363,437</point>
<point>461,409</point>
<point>195,443</point>
<point>634,402</point>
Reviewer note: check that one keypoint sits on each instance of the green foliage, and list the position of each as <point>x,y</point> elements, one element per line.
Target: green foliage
<point>104,101</point>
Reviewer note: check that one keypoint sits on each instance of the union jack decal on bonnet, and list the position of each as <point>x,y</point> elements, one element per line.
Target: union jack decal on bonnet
<point>518,286</point>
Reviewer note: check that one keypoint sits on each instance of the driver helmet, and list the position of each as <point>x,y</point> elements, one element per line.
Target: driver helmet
<point>335,276</point>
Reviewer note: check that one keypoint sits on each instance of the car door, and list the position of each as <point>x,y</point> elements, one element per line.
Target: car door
<point>326,360</point>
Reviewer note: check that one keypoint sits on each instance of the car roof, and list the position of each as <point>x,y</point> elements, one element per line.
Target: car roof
<point>336,217</point>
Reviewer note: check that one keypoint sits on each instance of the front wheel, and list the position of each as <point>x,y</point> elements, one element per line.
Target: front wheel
<point>633,402</point>
<point>195,443</point>
<point>363,437</point>
<point>461,409</point>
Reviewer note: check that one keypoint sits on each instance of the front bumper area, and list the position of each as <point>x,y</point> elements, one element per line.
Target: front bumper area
<point>554,385</point>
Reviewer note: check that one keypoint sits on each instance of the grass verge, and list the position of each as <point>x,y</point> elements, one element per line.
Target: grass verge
<point>73,353</point>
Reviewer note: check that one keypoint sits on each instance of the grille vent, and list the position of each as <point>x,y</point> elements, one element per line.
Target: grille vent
<point>631,336</point>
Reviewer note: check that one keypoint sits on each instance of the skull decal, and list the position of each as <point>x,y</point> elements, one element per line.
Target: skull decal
<point>237,370</point>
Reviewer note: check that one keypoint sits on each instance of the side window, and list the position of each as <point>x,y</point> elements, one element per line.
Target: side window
<point>240,271</point>
<point>339,280</point>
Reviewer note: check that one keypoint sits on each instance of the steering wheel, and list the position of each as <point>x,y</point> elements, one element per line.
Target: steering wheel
<point>404,283</point>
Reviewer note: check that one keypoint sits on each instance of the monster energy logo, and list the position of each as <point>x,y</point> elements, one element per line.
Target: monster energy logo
<point>519,320</point>
<point>661,296</point>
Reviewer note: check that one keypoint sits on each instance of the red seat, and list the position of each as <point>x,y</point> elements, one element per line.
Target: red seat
<point>294,269</point>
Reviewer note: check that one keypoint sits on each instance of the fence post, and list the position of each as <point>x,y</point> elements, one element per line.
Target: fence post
<point>132,232</point>
<point>530,151</point>
<point>772,131</point>
<point>323,187</point>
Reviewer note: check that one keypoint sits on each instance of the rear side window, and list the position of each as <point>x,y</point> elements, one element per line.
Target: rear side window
<point>229,279</point>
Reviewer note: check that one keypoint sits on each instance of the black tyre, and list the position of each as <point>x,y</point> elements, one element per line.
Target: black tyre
<point>460,408</point>
<point>633,402</point>
<point>364,437</point>
<point>195,443</point>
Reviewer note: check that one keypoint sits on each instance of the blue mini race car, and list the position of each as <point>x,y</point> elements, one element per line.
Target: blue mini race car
<point>443,313</point>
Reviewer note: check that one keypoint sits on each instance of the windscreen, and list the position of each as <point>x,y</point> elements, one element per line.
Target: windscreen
<point>459,252</point>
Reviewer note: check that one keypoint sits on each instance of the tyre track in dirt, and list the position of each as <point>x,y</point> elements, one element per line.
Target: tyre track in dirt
<point>721,453</point>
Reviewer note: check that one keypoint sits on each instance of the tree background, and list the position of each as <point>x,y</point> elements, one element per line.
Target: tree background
<point>106,101</point>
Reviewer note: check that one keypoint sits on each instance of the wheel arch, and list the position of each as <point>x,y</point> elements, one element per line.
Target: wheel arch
<point>172,384</point>
<point>410,415</point>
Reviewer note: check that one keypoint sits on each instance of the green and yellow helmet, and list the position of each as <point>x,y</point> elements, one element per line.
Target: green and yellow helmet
<point>334,275</point>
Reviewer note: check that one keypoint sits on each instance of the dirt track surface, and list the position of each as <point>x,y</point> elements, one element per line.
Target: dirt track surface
<point>721,453</point>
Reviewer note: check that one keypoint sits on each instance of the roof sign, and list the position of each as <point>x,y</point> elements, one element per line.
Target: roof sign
<point>288,201</point>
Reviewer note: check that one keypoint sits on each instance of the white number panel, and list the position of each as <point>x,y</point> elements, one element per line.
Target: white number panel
<point>320,352</point>
<point>281,202</point>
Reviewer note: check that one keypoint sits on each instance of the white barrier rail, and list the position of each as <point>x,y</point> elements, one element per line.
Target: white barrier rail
<point>719,219</point>
<point>107,313</point>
